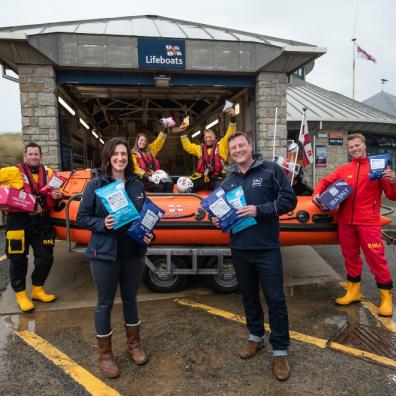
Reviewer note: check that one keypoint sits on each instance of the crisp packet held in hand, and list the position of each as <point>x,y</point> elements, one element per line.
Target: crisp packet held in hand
<point>55,182</point>
<point>217,205</point>
<point>117,203</point>
<point>378,164</point>
<point>149,217</point>
<point>236,197</point>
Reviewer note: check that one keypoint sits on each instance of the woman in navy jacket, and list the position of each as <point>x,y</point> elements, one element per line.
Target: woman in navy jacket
<point>115,257</point>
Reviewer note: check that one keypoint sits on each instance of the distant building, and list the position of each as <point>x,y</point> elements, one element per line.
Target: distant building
<point>384,102</point>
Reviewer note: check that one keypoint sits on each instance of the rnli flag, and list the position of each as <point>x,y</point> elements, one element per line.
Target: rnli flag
<point>305,140</point>
<point>361,53</point>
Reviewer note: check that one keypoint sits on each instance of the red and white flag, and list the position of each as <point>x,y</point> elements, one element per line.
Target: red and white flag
<point>361,53</point>
<point>305,140</point>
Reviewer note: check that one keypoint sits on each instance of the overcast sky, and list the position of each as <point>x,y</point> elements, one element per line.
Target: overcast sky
<point>327,24</point>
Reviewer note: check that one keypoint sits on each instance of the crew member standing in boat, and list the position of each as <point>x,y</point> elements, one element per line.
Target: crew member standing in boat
<point>145,161</point>
<point>212,155</point>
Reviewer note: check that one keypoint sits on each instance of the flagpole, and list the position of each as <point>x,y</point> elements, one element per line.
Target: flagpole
<point>302,122</point>
<point>275,125</point>
<point>353,66</point>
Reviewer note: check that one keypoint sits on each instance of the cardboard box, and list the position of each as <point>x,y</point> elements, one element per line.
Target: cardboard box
<point>13,200</point>
<point>335,194</point>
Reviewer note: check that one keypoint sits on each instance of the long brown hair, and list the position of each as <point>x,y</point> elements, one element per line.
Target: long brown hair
<point>108,151</point>
<point>136,148</point>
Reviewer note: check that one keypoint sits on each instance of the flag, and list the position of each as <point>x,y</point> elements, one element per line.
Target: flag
<point>361,53</point>
<point>305,140</point>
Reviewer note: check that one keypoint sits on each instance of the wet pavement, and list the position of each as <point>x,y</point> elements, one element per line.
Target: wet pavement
<point>193,344</point>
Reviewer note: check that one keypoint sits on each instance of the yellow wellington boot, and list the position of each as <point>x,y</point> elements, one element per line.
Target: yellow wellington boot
<point>24,302</point>
<point>386,307</point>
<point>38,293</point>
<point>352,294</point>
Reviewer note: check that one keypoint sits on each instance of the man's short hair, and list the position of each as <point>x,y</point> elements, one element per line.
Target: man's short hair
<point>237,134</point>
<point>210,131</point>
<point>356,136</point>
<point>34,145</point>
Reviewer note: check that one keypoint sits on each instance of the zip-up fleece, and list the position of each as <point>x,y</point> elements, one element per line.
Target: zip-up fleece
<point>91,215</point>
<point>265,186</point>
<point>362,207</point>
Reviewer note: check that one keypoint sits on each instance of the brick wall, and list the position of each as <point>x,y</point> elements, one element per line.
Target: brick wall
<point>39,106</point>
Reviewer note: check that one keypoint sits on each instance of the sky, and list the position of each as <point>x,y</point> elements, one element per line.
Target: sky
<point>328,24</point>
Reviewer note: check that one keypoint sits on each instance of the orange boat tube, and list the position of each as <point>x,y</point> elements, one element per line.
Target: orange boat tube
<point>186,223</point>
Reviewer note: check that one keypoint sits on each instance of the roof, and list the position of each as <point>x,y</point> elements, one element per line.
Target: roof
<point>151,26</point>
<point>332,107</point>
<point>384,102</point>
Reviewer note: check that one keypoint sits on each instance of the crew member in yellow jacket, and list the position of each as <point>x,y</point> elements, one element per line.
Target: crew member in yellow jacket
<point>212,155</point>
<point>34,229</point>
<point>146,165</point>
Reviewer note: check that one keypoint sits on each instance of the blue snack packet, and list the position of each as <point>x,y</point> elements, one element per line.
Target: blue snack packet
<point>378,164</point>
<point>336,193</point>
<point>117,203</point>
<point>149,217</point>
<point>236,197</point>
<point>217,205</point>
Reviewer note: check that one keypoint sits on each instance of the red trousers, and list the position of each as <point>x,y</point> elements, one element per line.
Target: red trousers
<point>368,238</point>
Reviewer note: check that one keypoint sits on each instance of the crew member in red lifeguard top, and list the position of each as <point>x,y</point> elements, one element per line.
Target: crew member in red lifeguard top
<point>359,222</point>
<point>146,164</point>
<point>212,155</point>
<point>30,229</point>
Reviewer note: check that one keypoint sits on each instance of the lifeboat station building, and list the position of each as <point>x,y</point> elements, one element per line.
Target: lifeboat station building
<point>84,82</point>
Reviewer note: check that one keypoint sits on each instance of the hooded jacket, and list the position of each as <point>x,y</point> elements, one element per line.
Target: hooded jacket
<point>362,207</point>
<point>91,215</point>
<point>267,187</point>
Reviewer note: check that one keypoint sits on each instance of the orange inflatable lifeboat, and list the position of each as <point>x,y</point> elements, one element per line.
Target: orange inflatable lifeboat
<point>186,223</point>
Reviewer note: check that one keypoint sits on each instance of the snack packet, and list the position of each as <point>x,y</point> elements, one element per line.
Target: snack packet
<point>149,217</point>
<point>378,163</point>
<point>217,205</point>
<point>236,197</point>
<point>55,182</point>
<point>117,203</point>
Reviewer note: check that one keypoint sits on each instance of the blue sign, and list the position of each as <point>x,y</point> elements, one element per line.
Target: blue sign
<point>161,53</point>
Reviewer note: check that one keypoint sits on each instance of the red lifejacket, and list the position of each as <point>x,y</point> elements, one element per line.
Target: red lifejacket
<point>211,164</point>
<point>30,186</point>
<point>147,161</point>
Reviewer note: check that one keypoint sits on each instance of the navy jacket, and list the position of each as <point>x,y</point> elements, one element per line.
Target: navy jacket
<point>267,187</point>
<point>91,215</point>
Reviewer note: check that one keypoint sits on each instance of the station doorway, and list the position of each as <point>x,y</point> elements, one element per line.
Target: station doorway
<point>109,107</point>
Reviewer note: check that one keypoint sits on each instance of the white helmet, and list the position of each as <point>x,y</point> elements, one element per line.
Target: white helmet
<point>159,176</point>
<point>184,184</point>
<point>292,148</point>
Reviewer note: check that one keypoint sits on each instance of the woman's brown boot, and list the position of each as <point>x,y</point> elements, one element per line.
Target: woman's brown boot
<point>134,348</point>
<point>106,362</point>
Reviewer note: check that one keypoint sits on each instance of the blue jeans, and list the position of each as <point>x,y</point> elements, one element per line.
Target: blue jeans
<point>107,275</point>
<point>255,267</point>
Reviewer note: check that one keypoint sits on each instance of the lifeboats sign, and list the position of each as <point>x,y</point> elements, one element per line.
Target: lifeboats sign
<point>161,53</point>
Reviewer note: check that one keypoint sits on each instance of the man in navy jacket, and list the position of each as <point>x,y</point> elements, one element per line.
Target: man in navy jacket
<point>256,249</point>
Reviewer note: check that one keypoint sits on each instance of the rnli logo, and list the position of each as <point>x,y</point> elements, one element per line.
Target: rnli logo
<point>257,182</point>
<point>173,50</point>
<point>48,242</point>
<point>375,245</point>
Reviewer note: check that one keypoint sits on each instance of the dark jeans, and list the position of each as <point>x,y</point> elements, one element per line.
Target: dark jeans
<point>107,275</point>
<point>263,267</point>
<point>200,184</point>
